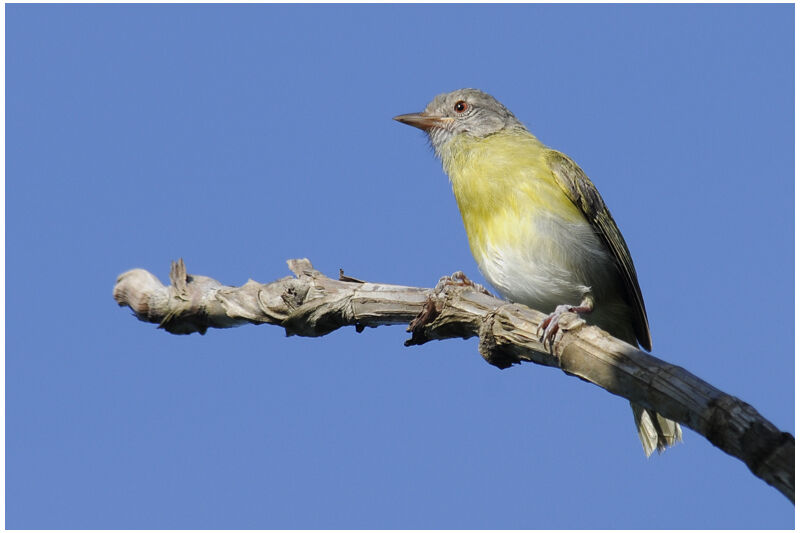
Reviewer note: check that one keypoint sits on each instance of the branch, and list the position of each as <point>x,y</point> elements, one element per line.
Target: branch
<point>312,305</point>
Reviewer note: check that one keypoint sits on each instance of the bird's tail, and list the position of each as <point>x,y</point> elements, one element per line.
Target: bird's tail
<point>655,431</point>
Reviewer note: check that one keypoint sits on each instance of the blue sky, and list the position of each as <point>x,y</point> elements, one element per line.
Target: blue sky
<point>240,136</point>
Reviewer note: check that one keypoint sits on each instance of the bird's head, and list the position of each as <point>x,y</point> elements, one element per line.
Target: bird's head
<point>467,111</point>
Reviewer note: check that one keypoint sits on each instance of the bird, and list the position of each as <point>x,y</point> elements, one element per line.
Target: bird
<point>538,228</point>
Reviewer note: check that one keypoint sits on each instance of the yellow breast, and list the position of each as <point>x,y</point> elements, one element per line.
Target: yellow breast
<point>501,183</point>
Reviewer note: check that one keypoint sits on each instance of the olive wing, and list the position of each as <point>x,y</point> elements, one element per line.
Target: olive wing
<point>578,188</point>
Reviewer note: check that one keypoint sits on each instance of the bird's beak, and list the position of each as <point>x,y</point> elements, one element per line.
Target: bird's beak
<point>423,121</point>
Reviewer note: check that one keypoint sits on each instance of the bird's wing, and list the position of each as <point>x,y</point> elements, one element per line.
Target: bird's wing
<point>584,195</point>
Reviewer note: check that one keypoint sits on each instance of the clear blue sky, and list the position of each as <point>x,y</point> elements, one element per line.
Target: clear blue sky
<point>240,136</point>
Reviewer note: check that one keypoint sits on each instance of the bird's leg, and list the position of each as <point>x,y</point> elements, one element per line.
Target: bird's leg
<point>550,324</point>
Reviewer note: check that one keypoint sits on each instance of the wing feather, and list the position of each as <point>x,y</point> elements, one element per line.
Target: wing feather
<point>578,188</point>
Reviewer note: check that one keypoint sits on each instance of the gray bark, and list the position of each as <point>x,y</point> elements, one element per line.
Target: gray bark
<point>312,305</point>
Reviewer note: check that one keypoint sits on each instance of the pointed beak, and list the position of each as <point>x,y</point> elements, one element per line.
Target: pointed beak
<point>423,121</point>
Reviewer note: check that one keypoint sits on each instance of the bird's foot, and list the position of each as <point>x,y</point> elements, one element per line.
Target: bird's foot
<point>459,279</point>
<point>550,324</point>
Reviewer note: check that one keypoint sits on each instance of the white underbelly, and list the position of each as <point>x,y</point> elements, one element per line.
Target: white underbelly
<point>555,263</point>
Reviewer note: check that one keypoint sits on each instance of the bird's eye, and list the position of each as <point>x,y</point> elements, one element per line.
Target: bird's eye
<point>460,106</point>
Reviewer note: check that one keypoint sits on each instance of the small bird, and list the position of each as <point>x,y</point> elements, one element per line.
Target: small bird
<point>538,228</point>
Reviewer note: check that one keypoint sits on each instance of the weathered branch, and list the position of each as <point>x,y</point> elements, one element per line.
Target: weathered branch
<point>312,304</point>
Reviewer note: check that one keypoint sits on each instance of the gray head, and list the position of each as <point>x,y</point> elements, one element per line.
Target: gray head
<point>467,111</point>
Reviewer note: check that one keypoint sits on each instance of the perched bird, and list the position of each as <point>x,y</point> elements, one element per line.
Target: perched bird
<point>537,227</point>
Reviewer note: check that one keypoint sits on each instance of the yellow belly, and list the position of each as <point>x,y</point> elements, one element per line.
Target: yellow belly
<point>500,181</point>
<point>528,238</point>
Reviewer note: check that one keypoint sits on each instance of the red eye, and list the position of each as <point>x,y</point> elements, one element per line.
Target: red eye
<point>460,106</point>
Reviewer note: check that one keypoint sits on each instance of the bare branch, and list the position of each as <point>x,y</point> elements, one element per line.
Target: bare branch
<point>312,304</point>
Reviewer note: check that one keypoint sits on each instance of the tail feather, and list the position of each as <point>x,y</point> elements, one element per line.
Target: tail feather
<point>655,431</point>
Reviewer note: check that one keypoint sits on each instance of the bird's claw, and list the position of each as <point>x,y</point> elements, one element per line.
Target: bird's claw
<point>550,325</point>
<point>459,279</point>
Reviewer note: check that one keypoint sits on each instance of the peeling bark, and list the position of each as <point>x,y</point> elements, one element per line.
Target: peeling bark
<point>311,304</point>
